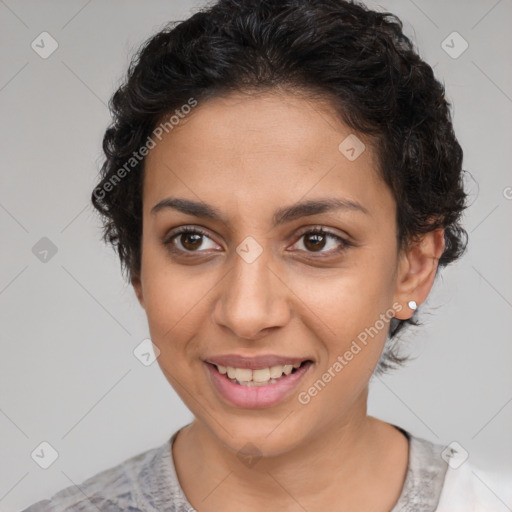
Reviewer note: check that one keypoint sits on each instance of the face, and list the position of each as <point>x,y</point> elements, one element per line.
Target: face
<point>252,285</point>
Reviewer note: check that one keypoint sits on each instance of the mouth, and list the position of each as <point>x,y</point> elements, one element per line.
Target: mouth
<point>258,377</point>
<point>257,387</point>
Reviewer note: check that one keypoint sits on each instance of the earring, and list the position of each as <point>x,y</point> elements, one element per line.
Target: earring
<point>413,305</point>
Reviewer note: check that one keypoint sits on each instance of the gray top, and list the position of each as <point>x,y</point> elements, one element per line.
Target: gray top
<point>147,482</point>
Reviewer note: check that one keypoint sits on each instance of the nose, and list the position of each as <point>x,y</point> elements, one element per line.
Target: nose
<point>253,299</point>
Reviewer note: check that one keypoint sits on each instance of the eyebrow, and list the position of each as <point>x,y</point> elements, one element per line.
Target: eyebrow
<point>281,216</point>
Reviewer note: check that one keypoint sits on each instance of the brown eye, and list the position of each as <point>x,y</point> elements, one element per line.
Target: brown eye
<point>317,239</point>
<point>314,241</point>
<point>189,240</point>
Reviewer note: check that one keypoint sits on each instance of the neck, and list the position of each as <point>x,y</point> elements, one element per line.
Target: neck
<point>341,461</point>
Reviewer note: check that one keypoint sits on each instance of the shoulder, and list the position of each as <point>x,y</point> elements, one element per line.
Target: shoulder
<point>424,477</point>
<point>441,478</point>
<point>117,488</point>
<point>470,489</point>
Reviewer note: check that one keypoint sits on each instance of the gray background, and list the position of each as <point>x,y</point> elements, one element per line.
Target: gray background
<point>69,325</point>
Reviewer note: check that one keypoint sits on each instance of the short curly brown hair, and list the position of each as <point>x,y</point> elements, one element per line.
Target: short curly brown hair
<point>357,58</point>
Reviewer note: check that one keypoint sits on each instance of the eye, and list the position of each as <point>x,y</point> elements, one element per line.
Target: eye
<point>317,239</point>
<point>188,239</point>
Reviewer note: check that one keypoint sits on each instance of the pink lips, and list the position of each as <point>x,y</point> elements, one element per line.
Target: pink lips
<point>256,396</point>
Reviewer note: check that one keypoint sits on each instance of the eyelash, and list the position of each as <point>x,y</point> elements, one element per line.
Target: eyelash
<point>315,230</point>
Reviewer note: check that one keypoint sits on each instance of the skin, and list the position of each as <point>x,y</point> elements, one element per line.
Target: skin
<point>247,156</point>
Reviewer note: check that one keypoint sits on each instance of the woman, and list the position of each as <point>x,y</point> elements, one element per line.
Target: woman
<point>282,184</point>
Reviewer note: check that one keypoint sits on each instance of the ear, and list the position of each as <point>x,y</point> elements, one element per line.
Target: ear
<point>417,269</point>
<point>137,286</point>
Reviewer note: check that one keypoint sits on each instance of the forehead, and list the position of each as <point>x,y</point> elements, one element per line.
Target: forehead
<point>271,147</point>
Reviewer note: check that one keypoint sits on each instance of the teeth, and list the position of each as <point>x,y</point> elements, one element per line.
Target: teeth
<point>251,383</point>
<point>243,374</point>
<point>287,368</point>
<point>276,372</point>
<point>261,376</point>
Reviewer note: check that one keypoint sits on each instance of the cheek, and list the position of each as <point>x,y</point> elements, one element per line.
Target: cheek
<point>174,298</point>
<point>173,314</point>
<point>348,299</point>
<point>349,311</point>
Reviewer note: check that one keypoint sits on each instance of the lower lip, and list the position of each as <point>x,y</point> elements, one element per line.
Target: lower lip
<point>256,397</point>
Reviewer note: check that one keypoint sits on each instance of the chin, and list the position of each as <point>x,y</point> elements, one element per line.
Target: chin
<point>253,436</point>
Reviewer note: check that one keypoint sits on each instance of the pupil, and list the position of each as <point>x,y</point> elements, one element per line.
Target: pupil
<point>318,244</point>
<point>195,244</point>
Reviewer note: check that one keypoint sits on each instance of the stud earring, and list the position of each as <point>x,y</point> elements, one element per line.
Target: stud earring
<point>413,305</point>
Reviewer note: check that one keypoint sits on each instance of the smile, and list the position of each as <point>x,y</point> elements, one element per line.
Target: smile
<point>257,387</point>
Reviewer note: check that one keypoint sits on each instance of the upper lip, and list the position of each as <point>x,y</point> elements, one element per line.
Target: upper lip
<point>254,362</point>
